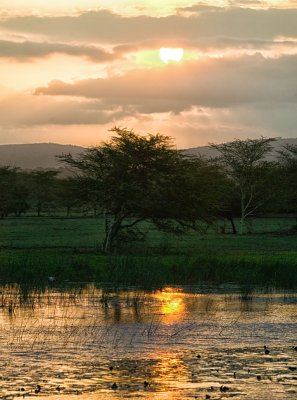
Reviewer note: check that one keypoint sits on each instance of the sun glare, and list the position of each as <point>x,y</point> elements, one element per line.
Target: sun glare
<point>172,304</point>
<point>168,54</point>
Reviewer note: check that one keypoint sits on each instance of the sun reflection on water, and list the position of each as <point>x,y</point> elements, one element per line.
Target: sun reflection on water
<point>172,303</point>
<point>171,344</point>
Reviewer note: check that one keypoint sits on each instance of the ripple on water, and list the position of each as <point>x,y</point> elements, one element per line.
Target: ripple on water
<point>171,344</point>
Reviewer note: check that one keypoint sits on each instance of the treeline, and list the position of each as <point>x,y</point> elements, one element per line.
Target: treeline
<point>41,192</point>
<point>133,178</point>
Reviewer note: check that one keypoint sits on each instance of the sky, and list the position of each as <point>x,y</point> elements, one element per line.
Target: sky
<point>70,70</point>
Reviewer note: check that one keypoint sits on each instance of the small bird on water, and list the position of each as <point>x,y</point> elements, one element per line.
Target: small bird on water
<point>266,351</point>
<point>38,389</point>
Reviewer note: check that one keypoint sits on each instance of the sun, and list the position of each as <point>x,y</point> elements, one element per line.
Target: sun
<point>168,54</point>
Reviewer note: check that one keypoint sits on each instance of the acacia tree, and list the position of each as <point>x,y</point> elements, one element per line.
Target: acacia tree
<point>194,193</point>
<point>43,189</point>
<point>288,164</point>
<point>246,166</point>
<point>140,178</point>
<point>14,194</point>
<point>7,182</point>
<point>68,193</point>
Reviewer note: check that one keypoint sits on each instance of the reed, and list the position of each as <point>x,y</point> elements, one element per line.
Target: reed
<point>33,250</point>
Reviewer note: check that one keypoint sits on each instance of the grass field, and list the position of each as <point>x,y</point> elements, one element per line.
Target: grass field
<point>31,249</point>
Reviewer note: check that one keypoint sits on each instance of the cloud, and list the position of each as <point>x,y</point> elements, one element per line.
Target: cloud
<point>243,85</point>
<point>208,30</point>
<point>209,82</point>
<point>198,126</point>
<point>28,110</point>
<point>28,51</point>
<point>106,27</point>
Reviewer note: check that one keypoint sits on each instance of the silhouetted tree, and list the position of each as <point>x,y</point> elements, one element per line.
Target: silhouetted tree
<point>20,193</point>
<point>7,181</point>
<point>288,164</point>
<point>43,190</point>
<point>246,166</point>
<point>137,178</point>
<point>69,194</point>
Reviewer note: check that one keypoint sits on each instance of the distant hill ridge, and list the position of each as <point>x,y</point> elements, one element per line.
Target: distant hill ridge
<point>43,155</point>
<point>35,155</point>
<point>207,151</point>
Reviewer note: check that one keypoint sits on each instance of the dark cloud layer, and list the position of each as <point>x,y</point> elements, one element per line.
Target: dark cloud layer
<point>27,110</point>
<point>209,82</point>
<point>107,27</point>
<point>244,83</point>
<point>26,51</point>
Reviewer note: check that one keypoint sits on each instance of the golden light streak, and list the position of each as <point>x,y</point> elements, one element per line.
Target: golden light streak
<point>172,304</point>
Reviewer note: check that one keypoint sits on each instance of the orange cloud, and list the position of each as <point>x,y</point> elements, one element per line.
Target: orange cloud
<point>208,82</point>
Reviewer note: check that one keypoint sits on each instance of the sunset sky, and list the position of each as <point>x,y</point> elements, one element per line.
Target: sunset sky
<point>72,69</point>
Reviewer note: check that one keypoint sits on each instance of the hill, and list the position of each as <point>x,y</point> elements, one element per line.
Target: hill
<point>208,152</point>
<point>37,155</point>
<point>43,155</point>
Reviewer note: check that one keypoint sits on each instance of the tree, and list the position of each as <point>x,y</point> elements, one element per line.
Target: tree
<point>137,178</point>
<point>194,193</point>
<point>14,194</point>
<point>43,189</point>
<point>288,164</point>
<point>20,193</point>
<point>246,166</point>
<point>69,193</point>
<point>7,182</point>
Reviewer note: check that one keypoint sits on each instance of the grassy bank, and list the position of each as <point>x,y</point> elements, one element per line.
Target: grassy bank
<point>32,249</point>
<point>37,266</point>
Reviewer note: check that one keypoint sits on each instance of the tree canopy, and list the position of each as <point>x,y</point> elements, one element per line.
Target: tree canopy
<point>142,177</point>
<point>288,163</point>
<point>249,171</point>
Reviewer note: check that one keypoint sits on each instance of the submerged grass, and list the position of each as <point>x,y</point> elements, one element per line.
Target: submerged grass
<point>149,271</point>
<point>33,249</point>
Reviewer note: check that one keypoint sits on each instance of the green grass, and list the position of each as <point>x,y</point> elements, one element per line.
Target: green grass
<point>31,249</point>
<point>47,232</point>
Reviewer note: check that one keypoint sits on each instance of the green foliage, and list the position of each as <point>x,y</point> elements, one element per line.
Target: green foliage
<point>69,194</point>
<point>150,201</point>
<point>249,172</point>
<point>288,164</point>
<point>136,178</point>
<point>13,192</point>
<point>32,249</point>
<point>43,190</point>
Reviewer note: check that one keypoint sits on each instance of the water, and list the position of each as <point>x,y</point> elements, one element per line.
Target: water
<point>175,343</point>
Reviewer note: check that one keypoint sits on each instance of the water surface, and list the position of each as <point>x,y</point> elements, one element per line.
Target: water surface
<point>176,343</point>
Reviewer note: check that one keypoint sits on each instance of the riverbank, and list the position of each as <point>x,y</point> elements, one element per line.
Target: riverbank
<point>34,249</point>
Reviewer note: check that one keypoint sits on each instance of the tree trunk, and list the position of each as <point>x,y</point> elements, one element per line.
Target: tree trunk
<point>108,243</point>
<point>111,232</point>
<point>242,216</point>
<point>242,219</point>
<point>234,230</point>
